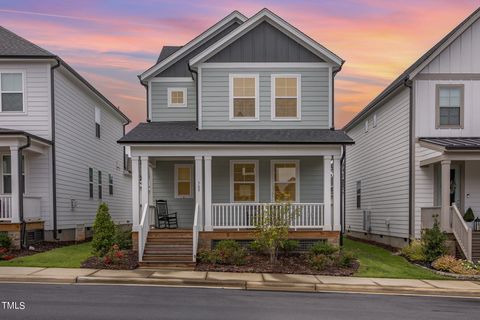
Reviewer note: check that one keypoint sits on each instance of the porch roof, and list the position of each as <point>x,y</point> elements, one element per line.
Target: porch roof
<point>186,132</point>
<point>454,143</point>
<point>13,132</point>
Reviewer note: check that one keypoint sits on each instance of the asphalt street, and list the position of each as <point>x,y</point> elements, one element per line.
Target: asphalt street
<point>90,302</point>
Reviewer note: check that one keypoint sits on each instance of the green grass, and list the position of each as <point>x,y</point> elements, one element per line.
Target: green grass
<point>376,262</point>
<point>64,257</point>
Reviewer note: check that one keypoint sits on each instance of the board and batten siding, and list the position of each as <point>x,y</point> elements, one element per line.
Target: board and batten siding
<point>380,160</point>
<point>314,98</point>
<point>78,149</point>
<point>160,109</point>
<point>36,119</point>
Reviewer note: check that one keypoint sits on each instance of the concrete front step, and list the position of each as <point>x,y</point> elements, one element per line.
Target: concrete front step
<point>168,253</point>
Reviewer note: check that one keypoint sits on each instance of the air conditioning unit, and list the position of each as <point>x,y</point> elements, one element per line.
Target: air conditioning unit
<point>367,221</point>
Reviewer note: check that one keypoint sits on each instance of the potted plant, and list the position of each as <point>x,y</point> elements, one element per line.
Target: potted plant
<point>469,216</point>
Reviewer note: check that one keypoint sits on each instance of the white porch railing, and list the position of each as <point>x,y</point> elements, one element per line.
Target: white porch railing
<point>196,229</point>
<point>462,232</point>
<point>247,215</point>
<point>5,207</point>
<point>143,228</point>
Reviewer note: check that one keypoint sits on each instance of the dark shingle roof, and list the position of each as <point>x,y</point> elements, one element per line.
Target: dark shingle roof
<point>460,143</point>
<point>14,132</point>
<point>186,132</point>
<point>12,45</point>
<point>167,51</point>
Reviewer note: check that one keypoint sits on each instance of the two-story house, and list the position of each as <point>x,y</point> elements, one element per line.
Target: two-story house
<point>240,118</point>
<point>58,150</point>
<point>417,148</point>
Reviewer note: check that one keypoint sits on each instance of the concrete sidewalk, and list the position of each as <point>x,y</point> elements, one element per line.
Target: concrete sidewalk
<point>246,281</point>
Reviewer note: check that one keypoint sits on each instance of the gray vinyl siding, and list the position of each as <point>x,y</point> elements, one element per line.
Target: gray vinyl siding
<point>314,98</point>
<point>380,160</point>
<point>160,109</point>
<point>265,43</point>
<point>311,178</point>
<point>78,149</point>
<point>164,189</point>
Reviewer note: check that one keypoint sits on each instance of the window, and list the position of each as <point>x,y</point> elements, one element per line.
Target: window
<point>244,180</point>
<point>285,97</point>
<point>7,174</point>
<point>183,181</point>
<point>449,110</point>
<point>375,120</point>
<point>177,97</point>
<point>98,115</point>
<point>359,194</point>
<point>11,85</point>
<point>244,97</point>
<point>90,182</point>
<point>100,185</point>
<point>366,125</point>
<point>285,175</point>
<point>110,184</point>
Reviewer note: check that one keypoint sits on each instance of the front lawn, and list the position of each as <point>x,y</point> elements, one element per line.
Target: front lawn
<point>64,257</point>
<point>376,262</point>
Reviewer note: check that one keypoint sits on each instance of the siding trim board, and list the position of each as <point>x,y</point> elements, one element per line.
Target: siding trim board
<point>269,65</point>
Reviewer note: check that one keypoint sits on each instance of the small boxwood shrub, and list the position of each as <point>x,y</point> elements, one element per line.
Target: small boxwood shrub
<point>324,248</point>
<point>414,251</point>
<point>323,255</point>
<point>288,246</point>
<point>469,216</point>
<point>5,241</point>
<point>103,231</point>
<point>227,252</point>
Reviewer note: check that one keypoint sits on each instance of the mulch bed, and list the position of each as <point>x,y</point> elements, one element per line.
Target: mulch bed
<point>293,264</point>
<point>40,247</point>
<point>128,262</point>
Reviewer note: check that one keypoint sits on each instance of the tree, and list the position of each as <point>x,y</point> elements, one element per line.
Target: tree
<point>103,231</point>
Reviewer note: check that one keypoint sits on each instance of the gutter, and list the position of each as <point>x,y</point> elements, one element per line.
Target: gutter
<point>54,160</point>
<point>23,238</point>
<point>411,218</point>
<point>196,91</point>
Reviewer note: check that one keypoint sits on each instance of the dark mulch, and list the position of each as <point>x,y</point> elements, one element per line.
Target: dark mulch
<point>41,247</point>
<point>374,243</point>
<point>129,262</point>
<point>293,264</point>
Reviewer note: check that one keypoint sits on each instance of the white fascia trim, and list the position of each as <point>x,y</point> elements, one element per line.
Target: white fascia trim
<point>330,98</point>
<point>199,95</point>
<point>255,163</point>
<point>297,177</point>
<point>252,22</point>
<point>151,71</point>
<point>172,79</point>
<point>289,65</point>
<point>176,105</point>
<point>273,95</point>
<point>175,180</point>
<point>257,96</point>
<point>149,116</point>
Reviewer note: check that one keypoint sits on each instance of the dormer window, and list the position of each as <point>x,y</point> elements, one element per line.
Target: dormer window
<point>12,95</point>
<point>286,97</point>
<point>449,106</point>
<point>244,97</point>
<point>177,97</point>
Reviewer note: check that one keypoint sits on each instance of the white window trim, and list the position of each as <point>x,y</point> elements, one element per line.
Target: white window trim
<point>176,167</point>
<point>230,90</point>
<point>272,178</point>
<point>299,97</point>
<point>177,105</point>
<point>24,92</point>
<point>232,196</point>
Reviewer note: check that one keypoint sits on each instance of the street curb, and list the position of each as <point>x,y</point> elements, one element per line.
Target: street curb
<point>50,279</point>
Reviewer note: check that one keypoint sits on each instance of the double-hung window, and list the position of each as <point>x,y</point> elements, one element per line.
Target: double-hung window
<point>177,97</point>
<point>244,97</point>
<point>100,195</point>
<point>359,194</point>
<point>7,174</point>
<point>244,180</point>
<point>98,116</point>
<point>110,184</point>
<point>90,182</point>
<point>183,181</point>
<point>285,176</point>
<point>286,97</point>
<point>12,92</point>
<point>449,110</point>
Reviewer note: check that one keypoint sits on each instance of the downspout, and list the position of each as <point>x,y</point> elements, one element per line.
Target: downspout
<point>343,174</point>
<point>411,209</point>
<point>146,99</point>
<point>54,160</point>
<point>23,234</point>
<point>196,90</point>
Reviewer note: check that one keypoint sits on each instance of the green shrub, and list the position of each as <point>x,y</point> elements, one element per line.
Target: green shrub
<point>324,248</point>
<point>469,216</point>
<point>227,252</point>
<point>433,241</point>
<point>346,259</point>
<point>123,238</point>
<point>320,262</point>
<point>289,245</point>
<point>5,241</point>
<point>103,231</point>
<point>414,251</point>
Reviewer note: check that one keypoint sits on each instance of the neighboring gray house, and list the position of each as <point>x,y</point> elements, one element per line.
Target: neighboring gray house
<point>417,148</point>
<point>238,118</point>
<point>65,132</point>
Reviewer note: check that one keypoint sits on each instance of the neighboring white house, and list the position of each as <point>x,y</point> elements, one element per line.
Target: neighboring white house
<point>65,132</point>
<point>417,147</point>
<point>239,118</point>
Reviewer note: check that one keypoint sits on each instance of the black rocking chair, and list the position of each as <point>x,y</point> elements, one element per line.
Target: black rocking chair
<point>164,219</point>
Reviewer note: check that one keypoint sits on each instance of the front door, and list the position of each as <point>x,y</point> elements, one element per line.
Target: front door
<point>455,190</point>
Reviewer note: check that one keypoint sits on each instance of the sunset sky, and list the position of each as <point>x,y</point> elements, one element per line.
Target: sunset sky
<point>110,42</point>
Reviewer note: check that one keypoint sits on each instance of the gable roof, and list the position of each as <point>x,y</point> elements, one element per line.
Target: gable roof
<point>167,51</point>
<point>12,45</point>
<point>416,67</point>
<point>454,143</point>
<point>234,16</point>
<point>279,23</point>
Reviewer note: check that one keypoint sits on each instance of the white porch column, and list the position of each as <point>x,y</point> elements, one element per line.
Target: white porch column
<point>15,184</point>
<point>208,193</point>
<point>327,195</point>
<point>336,193</point>
<point>135,193</point>
<point>145,192</point>
<point>199,189</point>
<point>445,213</point>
